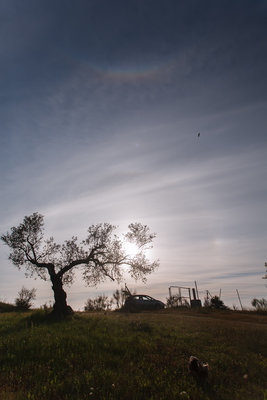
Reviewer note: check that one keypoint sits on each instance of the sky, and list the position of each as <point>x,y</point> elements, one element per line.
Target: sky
<point>101,103</point>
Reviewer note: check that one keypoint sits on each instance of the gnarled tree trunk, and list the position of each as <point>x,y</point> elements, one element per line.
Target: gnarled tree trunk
<point>60,306</point>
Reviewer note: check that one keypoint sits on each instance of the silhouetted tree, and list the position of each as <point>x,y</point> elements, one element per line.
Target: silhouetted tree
<point>25,297</point>
<point>101,255</point>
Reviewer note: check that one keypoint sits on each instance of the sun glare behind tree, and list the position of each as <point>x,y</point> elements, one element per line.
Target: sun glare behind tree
<point>100,255</point>
<point>131,249</point>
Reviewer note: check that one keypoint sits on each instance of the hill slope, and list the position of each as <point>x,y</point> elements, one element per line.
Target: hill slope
<point>132,356</point>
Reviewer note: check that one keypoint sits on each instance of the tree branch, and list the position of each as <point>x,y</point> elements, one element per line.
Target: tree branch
<point>33,251</point>
<point>49,266</point>
<point>106,272</point>
<point>76,262</point>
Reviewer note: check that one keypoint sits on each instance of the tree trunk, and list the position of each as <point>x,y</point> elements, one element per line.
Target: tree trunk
<point>60,306</point>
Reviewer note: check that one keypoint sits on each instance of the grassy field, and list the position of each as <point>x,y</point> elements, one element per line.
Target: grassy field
<point>133,356</point>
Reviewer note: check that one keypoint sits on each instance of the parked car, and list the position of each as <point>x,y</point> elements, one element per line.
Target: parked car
<point>139,302</point>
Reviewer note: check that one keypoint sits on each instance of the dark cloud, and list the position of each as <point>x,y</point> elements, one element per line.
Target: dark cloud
<point>46,40</point>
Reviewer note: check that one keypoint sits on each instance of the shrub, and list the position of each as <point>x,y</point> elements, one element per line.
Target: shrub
<point>119,296</point>
<point>215,302</point>
<point>100,303</point>
<point>24,300</point>
<point>259,304</point>
<point>177,301</point>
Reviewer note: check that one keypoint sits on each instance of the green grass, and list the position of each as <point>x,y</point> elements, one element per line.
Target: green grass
<point>132,356</point>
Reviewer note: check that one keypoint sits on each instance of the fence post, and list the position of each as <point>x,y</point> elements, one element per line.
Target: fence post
<point>239,299</point>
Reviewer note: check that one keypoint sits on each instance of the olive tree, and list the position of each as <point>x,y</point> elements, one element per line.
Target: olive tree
<point>100,256</point>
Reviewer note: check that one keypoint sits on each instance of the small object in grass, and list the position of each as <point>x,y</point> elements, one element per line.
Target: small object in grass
<point>113,385</point>
<point>245,376</point>
<point>197,367</point>
<point>184,395</point>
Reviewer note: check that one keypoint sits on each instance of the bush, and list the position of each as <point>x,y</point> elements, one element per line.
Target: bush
<point>100,303</point>
<point>24,300</point>
<point>46,308</point>
<point>259,304</point>
<point>176,301</point>
<point>215,302</point>
<point>119,296</point>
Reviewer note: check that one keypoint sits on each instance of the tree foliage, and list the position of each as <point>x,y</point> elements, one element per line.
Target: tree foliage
<point>101,253</point>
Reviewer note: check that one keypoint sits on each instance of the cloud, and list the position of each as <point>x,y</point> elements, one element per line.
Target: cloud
<point>100,110</point>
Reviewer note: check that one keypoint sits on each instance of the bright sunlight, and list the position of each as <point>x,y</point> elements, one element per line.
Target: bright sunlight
<point>131,248</point>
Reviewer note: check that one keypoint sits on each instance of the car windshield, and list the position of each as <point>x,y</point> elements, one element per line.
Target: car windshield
<point>143,298</point>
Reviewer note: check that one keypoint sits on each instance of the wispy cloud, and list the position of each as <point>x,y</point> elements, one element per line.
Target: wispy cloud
<point>100,112</point>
